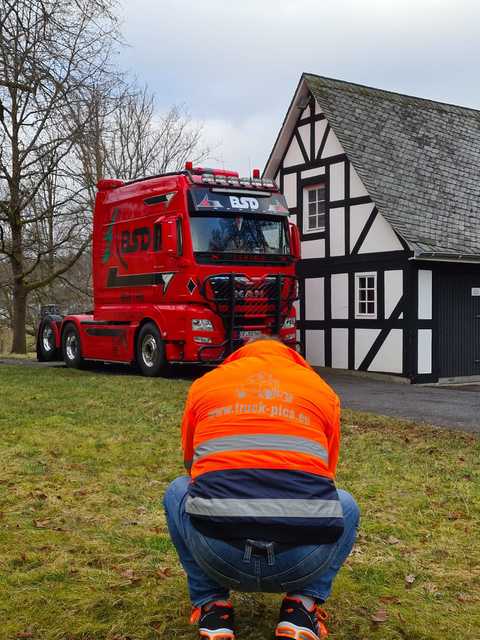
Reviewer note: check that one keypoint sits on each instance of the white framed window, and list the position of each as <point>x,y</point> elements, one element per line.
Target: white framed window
<point>314,208</point>
<point>366,295</point>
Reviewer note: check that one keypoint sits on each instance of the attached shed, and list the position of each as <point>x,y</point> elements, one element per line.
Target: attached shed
<point>385,189</point>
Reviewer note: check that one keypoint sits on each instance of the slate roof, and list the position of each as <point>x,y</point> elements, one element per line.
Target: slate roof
<point>419,161</point>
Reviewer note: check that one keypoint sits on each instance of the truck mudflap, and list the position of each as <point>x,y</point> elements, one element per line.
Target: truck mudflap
<point>249,307</point>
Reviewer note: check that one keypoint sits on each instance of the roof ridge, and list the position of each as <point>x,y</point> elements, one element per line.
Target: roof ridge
<point>391,94</point>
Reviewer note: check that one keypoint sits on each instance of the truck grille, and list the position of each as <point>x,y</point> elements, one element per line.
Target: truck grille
<point>250,304</point>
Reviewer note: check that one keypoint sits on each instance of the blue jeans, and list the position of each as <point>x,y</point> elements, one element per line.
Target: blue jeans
<point>213,567</point>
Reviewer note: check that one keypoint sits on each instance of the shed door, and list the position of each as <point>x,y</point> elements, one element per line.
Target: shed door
<point>458,313</point>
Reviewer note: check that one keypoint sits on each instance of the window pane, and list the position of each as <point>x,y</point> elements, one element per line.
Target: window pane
<point>321,221</point>
<point>371,282</point>
<point>371,307</point>
<point>312,195</point>
<point>371,295</point>
<point>362,282</point>
<point>321,206</point>
<point>312,222</point>
<point>362,307</point>
<point>312,208</point>
<point>362,294</point>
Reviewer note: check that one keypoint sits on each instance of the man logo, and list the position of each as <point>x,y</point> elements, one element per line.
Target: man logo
<point>243,203</point>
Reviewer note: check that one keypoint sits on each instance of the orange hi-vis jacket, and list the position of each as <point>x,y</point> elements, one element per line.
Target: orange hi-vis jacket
<point>260,437</point>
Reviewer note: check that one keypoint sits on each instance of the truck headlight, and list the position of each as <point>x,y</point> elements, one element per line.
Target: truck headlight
<point>289,323</point>
<point>201,324</point>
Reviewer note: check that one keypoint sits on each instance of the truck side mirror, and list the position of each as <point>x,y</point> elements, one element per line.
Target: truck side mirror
<point>171,244</point>
<point>294,241</point>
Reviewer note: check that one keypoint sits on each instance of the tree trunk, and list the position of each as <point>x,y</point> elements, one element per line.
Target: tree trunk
<point>19,344</point>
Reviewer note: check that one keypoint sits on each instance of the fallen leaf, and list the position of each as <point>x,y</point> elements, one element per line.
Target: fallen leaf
<point>410,579</point>
<point>465,597</point>
<point>41,524</point>
<point>38,495</point>
<point>163,572</point>
<point>393,540</point>
<point>389,600</point>
<point>24,634</point>
<point>131,576</point>
<point>380,616</point>
<point>429,587</point>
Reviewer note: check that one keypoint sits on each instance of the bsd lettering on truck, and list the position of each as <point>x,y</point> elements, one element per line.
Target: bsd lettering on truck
<point>243,203</point>
<point>140,239</point>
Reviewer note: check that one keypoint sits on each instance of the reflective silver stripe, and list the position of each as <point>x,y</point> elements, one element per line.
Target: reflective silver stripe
<point>261,441</point>
<point>264,507</point>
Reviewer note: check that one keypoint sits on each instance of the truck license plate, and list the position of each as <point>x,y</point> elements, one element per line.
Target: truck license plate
<point>251,334</point>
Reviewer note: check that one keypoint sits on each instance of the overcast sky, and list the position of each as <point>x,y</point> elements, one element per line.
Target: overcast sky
<point>236,65</point>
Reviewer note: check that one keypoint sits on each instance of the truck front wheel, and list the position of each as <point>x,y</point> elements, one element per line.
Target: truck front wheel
<point>71,348</point>
<point>150,351</point>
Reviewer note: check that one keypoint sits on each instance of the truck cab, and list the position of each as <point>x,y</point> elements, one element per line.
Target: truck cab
<point>187,266</point>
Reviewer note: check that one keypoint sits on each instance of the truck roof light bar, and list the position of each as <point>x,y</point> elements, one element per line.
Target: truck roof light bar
<point>233,181</point>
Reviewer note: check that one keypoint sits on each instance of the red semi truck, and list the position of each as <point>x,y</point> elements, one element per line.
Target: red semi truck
<point>186,267</point>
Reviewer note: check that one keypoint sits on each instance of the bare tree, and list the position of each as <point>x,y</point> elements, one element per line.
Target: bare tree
<point>51,51</point>
<point>138,141</point>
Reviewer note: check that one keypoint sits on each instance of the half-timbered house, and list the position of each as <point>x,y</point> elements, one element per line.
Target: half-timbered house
<point>385,189</point>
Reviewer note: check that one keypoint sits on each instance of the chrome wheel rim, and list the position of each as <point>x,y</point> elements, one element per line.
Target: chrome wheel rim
<point>149,351</point>
<point>71,346</point>
<point>47,338</point>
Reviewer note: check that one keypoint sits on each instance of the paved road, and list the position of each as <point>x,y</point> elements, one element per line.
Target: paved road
<point>457,407</point>
<point>452,406</point>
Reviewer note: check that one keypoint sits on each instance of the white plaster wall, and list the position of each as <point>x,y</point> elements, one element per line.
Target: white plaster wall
<point>340,348</point>
<point>381,237</point>
<point>364,339</point>
<point>359,215</point>
<point>337,231</point>
<point>290,189</point>
<point>306,112</point>
<point>313,173</point>
<point>313,248</point>
<point>318,110</point>
<point>393,290</point>
<point>424,295</point>
<point>315,347</point>
<point>314,299</point>
<point>424,351</point>
<point>294,155</point>
<point>332,146</point>
<point>357,190</point>
<point>390,357</point>
<point>296,306</point>
<point>319,131</point>
<point>304,132</point>
<point>337,181</point>
<point>339,287</point>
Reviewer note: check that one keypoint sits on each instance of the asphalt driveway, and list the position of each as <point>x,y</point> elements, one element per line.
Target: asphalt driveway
<point>452,406</point>
<point>457,407</point>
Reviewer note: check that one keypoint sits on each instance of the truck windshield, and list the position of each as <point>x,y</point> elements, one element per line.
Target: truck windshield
<point>239,234</point>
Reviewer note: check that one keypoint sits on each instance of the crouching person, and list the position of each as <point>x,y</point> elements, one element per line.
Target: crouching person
<point>259,510</point>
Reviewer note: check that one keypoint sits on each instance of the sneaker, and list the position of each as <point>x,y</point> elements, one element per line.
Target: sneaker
<point>215,621</point>
<point>299,623</point>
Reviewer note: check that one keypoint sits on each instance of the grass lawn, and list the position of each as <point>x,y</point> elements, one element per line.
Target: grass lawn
<point>85,554</point>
